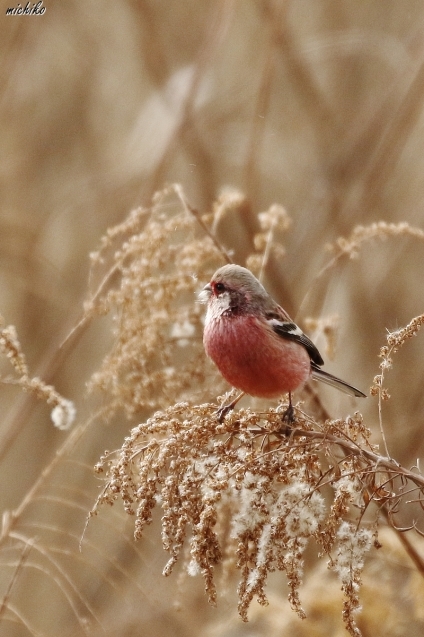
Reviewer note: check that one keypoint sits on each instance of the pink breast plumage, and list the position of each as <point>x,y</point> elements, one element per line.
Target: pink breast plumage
<point>264,367</point>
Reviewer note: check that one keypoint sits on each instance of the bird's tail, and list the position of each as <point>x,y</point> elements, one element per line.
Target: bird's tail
<point>329,379</point>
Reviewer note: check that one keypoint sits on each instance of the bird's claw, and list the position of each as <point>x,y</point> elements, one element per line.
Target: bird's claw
<point>288,416</point>
<point>223,411</point>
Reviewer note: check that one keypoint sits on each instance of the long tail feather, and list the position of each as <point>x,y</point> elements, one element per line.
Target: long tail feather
<point>329,379</point>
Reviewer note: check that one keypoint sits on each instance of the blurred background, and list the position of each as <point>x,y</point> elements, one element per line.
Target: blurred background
<point>316,105</point>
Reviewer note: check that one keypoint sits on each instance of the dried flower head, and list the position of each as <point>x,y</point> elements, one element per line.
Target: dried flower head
<point>192,466</point>
<point>157,357</point>
<point>63,412</point>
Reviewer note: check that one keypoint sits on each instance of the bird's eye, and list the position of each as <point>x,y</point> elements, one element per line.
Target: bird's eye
<point>219,287</point>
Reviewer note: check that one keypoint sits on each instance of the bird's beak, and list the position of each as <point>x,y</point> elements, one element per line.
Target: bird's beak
<point>205,294</point>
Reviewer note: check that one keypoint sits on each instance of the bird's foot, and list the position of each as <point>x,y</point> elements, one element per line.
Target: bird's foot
<point>288,416</point>
<point>225,409</point>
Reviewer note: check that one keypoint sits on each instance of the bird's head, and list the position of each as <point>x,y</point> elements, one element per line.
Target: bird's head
<point>233,288</point>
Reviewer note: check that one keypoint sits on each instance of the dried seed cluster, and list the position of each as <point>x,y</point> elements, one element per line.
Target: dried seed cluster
<point>157,356</point>
<point>63,410</point>
<point>197,470</point>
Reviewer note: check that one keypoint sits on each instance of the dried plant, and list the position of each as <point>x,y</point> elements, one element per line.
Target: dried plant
<point>157,354</point>
<point>63,412</point>
<point>248,491</point>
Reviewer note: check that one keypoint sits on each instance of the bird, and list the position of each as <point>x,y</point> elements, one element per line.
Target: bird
<point>255,344</point>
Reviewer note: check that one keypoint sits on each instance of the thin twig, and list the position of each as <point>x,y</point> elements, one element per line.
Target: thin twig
<point>179,192</point>
<point>84,320</point>
<point>19,566</point>
<point>407,545</point>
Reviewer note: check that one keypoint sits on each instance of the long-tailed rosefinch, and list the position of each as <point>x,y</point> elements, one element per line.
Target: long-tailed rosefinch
<point>253,341</point>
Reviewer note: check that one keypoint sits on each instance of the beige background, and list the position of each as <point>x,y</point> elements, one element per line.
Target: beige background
<point>312,104</point>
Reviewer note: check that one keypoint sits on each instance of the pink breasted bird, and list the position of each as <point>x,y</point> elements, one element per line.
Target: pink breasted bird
<point>253,341</point>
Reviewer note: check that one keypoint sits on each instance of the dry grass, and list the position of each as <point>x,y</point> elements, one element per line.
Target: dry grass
<point>293,131</point>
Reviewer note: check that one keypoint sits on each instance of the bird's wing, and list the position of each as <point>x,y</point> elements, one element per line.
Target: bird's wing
<point>288,329</point>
